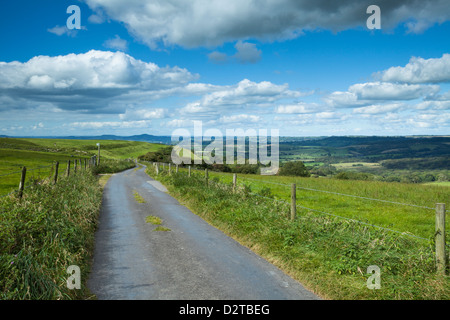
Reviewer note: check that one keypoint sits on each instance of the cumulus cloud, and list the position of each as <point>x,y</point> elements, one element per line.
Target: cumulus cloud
<point>218,57</point>
<point>88,80</point>
<point>391,91</point>
<point>297,108</point>
<point>116,43</point>
<point>111,124</point>
<point>146,114</point>
<point>420,70</point>
<point>240,118</point>
<point>380,108</point>
<point>243,94</point>
<point>363,94</point>
<point>178,123</point>
<point>61,30</point>
<point>247,52</point>
<point>211,23</point>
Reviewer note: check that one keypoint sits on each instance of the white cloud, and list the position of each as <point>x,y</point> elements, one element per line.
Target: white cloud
<point>116,43</point>
<point>247,52</point>
<point>59,31</point>
<point>365,94</point>
<point>89,80</point>
<point>111,124</point>
<point>391,91</point>
<point>343,99</point>
<point>434,105</point>
<point>179,123</point>
<point>240,118</point>
<point>420,70</point>
<point>297,108</point>
<point>210,23</point>
<point>379,108</point>
<point>146,114</point>
<point>243,94</point>
<point>218,57</point>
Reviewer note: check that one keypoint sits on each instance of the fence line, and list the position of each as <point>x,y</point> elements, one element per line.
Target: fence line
<point>439,235</point>
<point>343,194</point>
<point>8,174</point>
<point>346,218</point>
<point>24,171</point>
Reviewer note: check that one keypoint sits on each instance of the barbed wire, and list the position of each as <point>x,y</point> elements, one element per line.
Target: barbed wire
<point>341,217</point>
<point>344,194</point>
<point>7,174</point>
<point>6,195</point>
<point>38,168</point>
<point>28,170</point>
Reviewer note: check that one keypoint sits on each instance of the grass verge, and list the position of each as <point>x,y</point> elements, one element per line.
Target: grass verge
<point>51,228</point>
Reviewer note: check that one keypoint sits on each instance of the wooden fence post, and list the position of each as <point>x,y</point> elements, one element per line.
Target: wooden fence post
<point>206,176</point>
<point>75,166</point>
<point>234,182</point>
<point>22,182</point>
<point>170,167</point>
<point>440,238</point>
<point>176,169</point>
<point>56,172</point>
<point>293,202</point>
<point>189,172</point>
<point>68,167</point>
<point>157,169</point>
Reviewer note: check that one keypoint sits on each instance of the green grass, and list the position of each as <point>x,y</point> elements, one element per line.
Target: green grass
<point>413,220</point>
<point>51,228</point>
<point>153,220</point>
<point>438,183</point>
<point>138,197</point>
<point>35,153</point>
<point>160,228</point>
<point>111,149</point>
<point>53,225</point>
<point>329,255</point>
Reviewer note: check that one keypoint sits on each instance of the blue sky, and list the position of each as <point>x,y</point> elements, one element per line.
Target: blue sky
<point>307,68</point>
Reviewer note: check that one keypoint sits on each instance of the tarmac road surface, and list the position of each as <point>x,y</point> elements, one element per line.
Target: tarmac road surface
<point>192,261</point>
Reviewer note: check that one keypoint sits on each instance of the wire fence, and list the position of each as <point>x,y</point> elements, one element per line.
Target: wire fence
<point>20,172</point>
<point>345,195</point>
<point>341,217</point>
<point>408,234</point>
<point>26,180</point>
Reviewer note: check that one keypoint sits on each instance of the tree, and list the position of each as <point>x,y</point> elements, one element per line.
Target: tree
<point>294,168</point>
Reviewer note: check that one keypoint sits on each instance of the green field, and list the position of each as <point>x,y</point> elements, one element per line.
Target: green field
<point>37,153</point>
<point>329,254</point>
<point>386,213</point>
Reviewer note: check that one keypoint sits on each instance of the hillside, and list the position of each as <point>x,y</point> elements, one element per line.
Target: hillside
<point>39,155</point>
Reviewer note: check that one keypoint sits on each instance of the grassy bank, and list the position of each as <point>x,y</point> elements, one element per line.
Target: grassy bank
<point>51,228</point>
<point>40,155</point>
<point>328,255</point>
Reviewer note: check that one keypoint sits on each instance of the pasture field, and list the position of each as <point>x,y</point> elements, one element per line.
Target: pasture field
<point>385,210</point>
<point>329,254</point>
<point>39,155</point>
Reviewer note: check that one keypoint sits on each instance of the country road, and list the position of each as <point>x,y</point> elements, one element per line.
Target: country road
<point>192,261</point>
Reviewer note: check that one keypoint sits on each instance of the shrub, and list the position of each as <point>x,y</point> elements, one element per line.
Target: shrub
<point>294,168</point>
<point>112,166</point>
